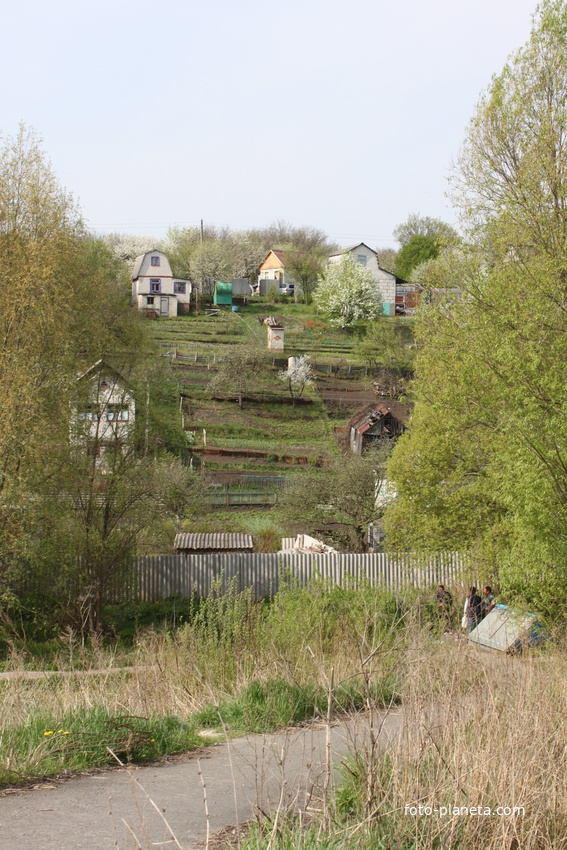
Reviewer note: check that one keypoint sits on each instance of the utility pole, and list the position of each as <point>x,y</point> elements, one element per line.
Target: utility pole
<point>201,231</point>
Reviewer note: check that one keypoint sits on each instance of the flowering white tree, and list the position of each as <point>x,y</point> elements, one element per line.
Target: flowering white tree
<point>348,292</point>
<point>127,247</point>
<point>297,376</point>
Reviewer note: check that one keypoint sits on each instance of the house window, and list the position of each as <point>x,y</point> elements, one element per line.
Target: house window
<point>155,261</point>
<point>361,259</point>
<point>117,413</point>
<point>150,300</point>
<point>88,413</point>
<point>155,284</point>
<point>179,287</point>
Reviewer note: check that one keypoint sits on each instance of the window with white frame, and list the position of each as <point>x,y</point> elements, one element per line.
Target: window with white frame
<point>179,287</point>
<point>361,259</point>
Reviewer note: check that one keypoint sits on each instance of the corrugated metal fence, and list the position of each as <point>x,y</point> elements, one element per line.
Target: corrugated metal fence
<point>158,576</point>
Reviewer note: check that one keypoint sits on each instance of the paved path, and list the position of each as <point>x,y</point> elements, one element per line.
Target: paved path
<point>104,811</point>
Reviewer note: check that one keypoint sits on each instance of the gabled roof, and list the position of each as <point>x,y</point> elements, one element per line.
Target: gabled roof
<point>98,367</point>
<point>139,260</point>
<point>365,418</point>
<point>279,255</point>
<point>351,248</point>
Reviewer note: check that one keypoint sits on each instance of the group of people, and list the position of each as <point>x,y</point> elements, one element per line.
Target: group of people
<point>476,608</point>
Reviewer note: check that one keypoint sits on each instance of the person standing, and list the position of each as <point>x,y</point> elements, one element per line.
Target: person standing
<point>445,607</point>
<point>488,601</point>
<point>472,609</point>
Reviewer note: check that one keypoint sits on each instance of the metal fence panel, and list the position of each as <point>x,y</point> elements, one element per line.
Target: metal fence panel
<point>150,578</point>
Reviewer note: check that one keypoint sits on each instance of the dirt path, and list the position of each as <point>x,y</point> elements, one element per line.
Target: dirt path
<point>104,811</point>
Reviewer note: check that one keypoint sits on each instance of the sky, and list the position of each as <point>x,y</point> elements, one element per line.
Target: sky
<point>344,116</point>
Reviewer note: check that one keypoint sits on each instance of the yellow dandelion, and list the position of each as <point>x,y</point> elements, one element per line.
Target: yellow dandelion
<point>153,741</point>
<point>59,731</point>
<point>48,733</point>
<point>65,733</point>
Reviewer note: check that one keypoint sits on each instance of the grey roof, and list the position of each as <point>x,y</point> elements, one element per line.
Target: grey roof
<point>351,248</point>
<point>213,541</point>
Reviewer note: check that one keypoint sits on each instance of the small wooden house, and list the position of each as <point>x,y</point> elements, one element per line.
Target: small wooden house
<point>373,423</point>
<point>272,272</point>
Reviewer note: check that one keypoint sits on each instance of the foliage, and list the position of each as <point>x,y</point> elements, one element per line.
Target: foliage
<point>423,225</point>
<point>418,250</point>
<point>382,345</point>
<point>484,465</point>
<point>386,258</point>
<point>339,502</point>
<point>347,292</point>
<point>64,515</point>
<point>220,253</point>
<point>304,259</point>
<point>40,230</point>
<point>127,247</point>
<point>241,368</point>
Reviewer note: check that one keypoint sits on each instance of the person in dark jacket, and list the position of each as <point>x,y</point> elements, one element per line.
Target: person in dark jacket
<point>472,609</point>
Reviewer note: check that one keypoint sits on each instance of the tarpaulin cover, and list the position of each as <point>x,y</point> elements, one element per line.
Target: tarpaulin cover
<point>506,630</point>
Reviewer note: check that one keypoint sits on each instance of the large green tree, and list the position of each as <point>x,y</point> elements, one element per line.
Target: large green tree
<point>485,462</point>
<point>418,250</point>
<point>424,225</point>
<point>67,309</point>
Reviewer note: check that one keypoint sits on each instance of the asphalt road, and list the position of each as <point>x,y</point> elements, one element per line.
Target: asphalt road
<point>124,809</point>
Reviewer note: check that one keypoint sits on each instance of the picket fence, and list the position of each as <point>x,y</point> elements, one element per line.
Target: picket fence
<point>155,577</point>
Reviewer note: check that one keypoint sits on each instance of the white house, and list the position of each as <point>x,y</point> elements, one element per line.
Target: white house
<point>105,411</point>
<point>154,288</point>
<point>386,280</point>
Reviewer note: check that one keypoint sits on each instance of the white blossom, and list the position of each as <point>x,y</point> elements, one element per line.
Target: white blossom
<point>347,293</point>
<point>297,376</point>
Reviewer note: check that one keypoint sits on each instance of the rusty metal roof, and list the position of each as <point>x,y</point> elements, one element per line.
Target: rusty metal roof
<point>218,542</point>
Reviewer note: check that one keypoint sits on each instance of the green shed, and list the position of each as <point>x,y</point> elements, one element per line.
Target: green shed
<point>223,294</point>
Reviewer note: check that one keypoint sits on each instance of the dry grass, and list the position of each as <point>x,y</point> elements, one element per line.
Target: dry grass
<point>480,729</point>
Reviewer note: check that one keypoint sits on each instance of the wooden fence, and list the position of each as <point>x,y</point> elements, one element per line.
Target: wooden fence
<point>158,576</point>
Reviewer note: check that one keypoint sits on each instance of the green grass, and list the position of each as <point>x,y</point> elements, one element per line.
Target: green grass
<point>251,656</point>
<point>76,741</point>
<point>275,704</point>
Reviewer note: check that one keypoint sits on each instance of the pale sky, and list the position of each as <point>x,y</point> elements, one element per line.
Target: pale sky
<point>342,116</point>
